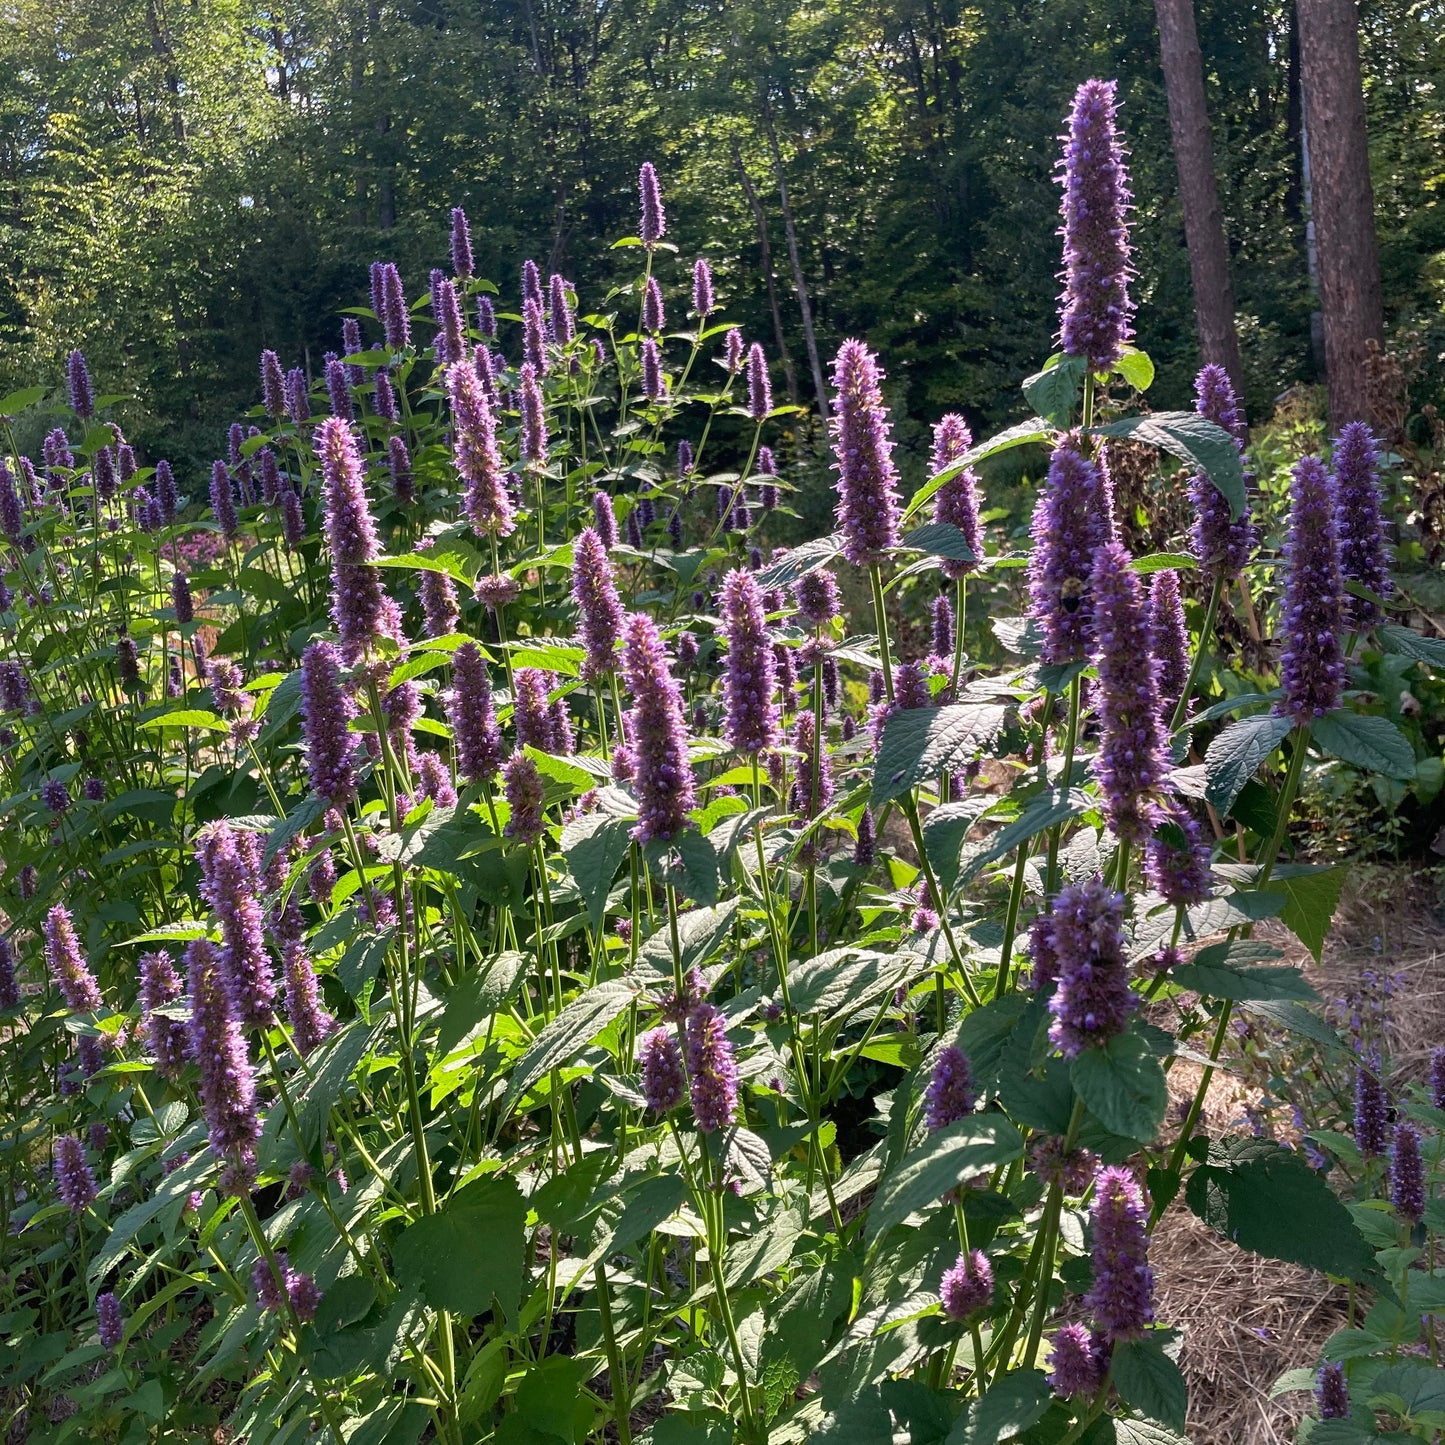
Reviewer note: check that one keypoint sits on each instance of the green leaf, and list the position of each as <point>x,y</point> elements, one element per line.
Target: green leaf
<point>595,845</point>
<point>1365,741</point>
<point>700,867</point>
<point>922,742</point>
<point>841,980</point>
<point>188,717</point>
<point>1192,439</point>
<point>700,932</point>
<point>1233,756</point>
<point>939,1164</point>
<point>1225,981</point>
<point>1311,897</point>
<point>18,401</point>
<point>797,562</point>
<point>1123,1087</point>
<point>1034,429</point>
<point>469,1250</point>
<point>459,560</point>
<point>1143,1432</point>
<point>570,1032</point>
<point>1136,368</point>
<point>1295,1017</point>
<point>550,1400</point>
<point>1150,1381</point>
<point>1054,392</point>
<point>1005,1410</point>
<point>1054,806</point>
<point>1405,642</point>
<point>1415,1391</point>
<point>944,831</point>
<point>1267,1199</point>
<point>1163,562</point>
<point>941,539</point>
<point>800,1323</point>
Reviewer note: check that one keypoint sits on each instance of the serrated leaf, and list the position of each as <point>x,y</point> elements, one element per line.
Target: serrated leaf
<point>700,932</point>
<point>476,997</point>
<point>17,401</point>
<point>1416,1391</point>
<point>941,539</point>
<point>1150,1381</point>
<point>1230,982</point>
<point>1123,1087</point>
<point>797,562</point>
<point>1365,741</point>
<point>457,559</point>
<point>1034,429</point>
<point>1136,368</point>
<point>939,1164</point>
<point>188,717</point>
<point>1192,439</point>
<point>1405,642</point>
<point>1043,812</point>
<point>1163,562</point>
<point>944,831</point>
<point>1311,897</point>
<point>1008,1407</point>
<point>1294,1017</point>
<point>838,982</point>
<point>922,742</point>
<point>595,845</point>
<point>1237,752</point>
<point>568,1034</point>
<point>1054,392</point>
<point>444,1253</point>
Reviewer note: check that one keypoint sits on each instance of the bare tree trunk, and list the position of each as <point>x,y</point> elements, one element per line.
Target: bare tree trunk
<point>804,305</point>
<point>760,220</point>
<point>1198,188</point>
<point>1342,201</point>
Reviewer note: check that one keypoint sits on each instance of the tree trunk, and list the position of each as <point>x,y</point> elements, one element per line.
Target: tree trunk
<point>804,305</point>
<point>760,220</point>
<point>1341,199</point>
<point>1198,189</point>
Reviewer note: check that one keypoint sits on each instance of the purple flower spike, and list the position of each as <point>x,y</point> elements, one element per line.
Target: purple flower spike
<point>819,601</point>
<point>273,385</point>
<point>760,387</point>
<point>338,391</point>
<point>474,723</point>
<point>478,459</point>
<point>1122,1295</point>
<point>703,303</point>
<point>449,344</point>
<point>1372,1108</point>
<point>486,317</point>
<point>712,1071</point>
<point>1222,544</point>
<point>351,346</point>
<point>1067,527</point>
<point>733,351</point>
<point>398,461</point>
<point>563,326</point>
<point>1096,304</point>
<point>160,985</point>
<point>653,317</point>
<point>663,1080</point>
<point>956,501</point>
<point>526,797</point>
<point>663,782</point>
<point>652,224</point>
<point>310,1023</point>
<point>1178,867</point>
<point>750,677</point>
<point>109,1322</point>
<point>868,514</point>
<point>531,283</point>
<point>813,789</point>
<point>462,264</point>
<point>1437,1077</point>
<point>1332,1392</point>
<point>394,316</point>
<point>327,710</point>
<point>1311,665</point>
<point>298,396</point>
<point>358,604</point>
<point>534,419</point>
<point>654,384</point>
<point>942,628</point>
<point>438,594</point>
<point>534,336</point>
<point>228,1083</point>
<point>77,379</point>
<point>74,1182</point>
<point>865,850</point>
<point>223,501</point>
<point>166,498</point>
<point>950,1095</point>
<point>529,709</point>
<point>604,519</point>
<point>1084,946</point>
<point>1131,761</point>
<point>1364,557</point>
<point>1077,1363</point>
<point>968,1286</point>
<point>1407,1174</point>
<point>302,1289</point>
<point>1168,639</point>
<point>270,1290</point>
<point>9,984</point>
<point>54,796</point>
<point>600,613</point>
<point>77,984</point>
<point>231,887</point>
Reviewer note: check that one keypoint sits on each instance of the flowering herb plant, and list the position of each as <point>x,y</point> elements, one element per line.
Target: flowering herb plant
<point>456,885</point>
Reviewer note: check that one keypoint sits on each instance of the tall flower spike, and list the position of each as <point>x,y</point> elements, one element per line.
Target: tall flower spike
<point>750,719</point>
<point>326,711</point>
<point>534,419</point>
<point>604,519</point>
<point>1437,1077</point>
<point>1131,760</point>
<point>1076,1366</point>
<point>338,391</point>
<point>298,396</point>
<point>310,1023</point>
<point>395,318</point>
<point>868,514</point>
<point>530,686</point>
<point>813,789</point>
<point>109,1321</point>
<point>534,336</point>
<point>865,850</point>
<point>1311,665</point>
<point>486,317</point>
<point>956,501</point>
<point>563,326</point>
<point>526,797</point>
<point>1177,865</point>
<point>663,1080</point>
<point>73,1180</point>
<point>438,594</point>
<point>232,888</point>
<point>1372,1108</point>
<point>818,598</point>
<point>733,351</point>
<point>358,603</point>
<point>531,283</point>
<point>653,317</point>
<point>478,459</point>
<point>1332,1393</point>
<point>351,346</point>
<point>9,984</point>
<point>1168,639</point>
<point>1364,558</point>
<point>1096,305</point>
<point>1221,543</point>
<point>228,1082</point>
<point>67,965</point>
<point>450,343</point>
<point>398,463</point>
<point>712,1070</point>
<point>1066,527</point>
<point>652,223</point>
<point>599,610</point>
<point>166,497</point>
<point>77,378</point>
<point>474,722</point>
<point>223,501</point>
<point>654,384</point>
<point>1407,1173</point>
<point>703,303</point>
<point>462,263</point>
<point>160,985</point>
<point>663,781</point>
<point>967,1286</point>
<point>273,385</point>
<point>760,386</point>
<point>950,1095</point>
<point>1084,943</point>
<point>942,627</point>
<point>1122,1295</point>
